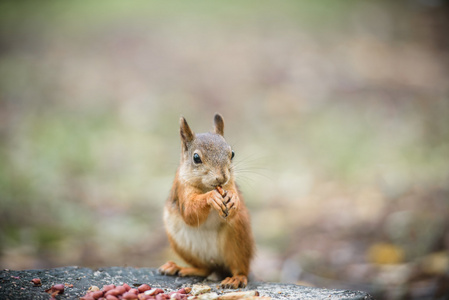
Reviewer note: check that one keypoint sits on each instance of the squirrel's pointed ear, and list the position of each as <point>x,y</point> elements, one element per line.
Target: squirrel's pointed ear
<point>187,134</point>
<point>219,124</point>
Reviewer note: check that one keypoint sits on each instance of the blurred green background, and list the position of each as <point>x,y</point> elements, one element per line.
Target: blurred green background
<point>338,112</point>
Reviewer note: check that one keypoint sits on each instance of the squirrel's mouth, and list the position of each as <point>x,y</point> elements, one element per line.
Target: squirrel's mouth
<point>214,186</point>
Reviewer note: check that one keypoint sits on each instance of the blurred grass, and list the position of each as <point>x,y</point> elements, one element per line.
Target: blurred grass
<point>337,110</point>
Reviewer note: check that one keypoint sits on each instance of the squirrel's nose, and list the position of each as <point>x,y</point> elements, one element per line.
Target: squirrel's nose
<point>222,178</point>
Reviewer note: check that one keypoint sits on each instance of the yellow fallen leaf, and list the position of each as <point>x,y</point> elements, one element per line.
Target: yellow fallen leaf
<point>385,253</point>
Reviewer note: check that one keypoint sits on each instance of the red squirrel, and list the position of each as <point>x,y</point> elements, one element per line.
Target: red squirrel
<point>205,217</point>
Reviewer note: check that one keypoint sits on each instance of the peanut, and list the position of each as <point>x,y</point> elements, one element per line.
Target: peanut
<point>108,287</point>
<point>36,281</point>
<point>144,287</point>
<point>97,294</point>
<point>220,190</point>
<point>129,295</point>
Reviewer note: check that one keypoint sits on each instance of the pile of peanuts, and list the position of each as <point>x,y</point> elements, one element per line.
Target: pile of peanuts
<point>143,292</point>
<point>197,292</point>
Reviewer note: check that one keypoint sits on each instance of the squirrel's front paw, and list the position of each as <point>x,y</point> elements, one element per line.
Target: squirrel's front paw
<point>232,202</point>
<point>216,201</point>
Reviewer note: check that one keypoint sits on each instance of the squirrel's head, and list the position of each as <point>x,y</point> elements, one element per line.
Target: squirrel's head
<point>206,158</point>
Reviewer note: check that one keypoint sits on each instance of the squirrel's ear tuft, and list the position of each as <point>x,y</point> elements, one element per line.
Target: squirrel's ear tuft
<point>187,134</point>
<point>219,124</point>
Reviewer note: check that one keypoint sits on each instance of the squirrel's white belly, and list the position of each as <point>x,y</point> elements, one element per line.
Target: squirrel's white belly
<point>204,242</point>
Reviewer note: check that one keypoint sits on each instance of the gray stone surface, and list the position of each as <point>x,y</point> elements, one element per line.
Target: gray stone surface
<point>17,284</point>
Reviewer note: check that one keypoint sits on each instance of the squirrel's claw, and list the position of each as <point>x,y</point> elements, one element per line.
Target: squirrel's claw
<point>216,202</point>
<point>231,201</point>
<point>234,282</point>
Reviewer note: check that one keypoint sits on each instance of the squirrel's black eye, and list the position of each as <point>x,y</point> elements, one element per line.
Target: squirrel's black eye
<point>233,154</point>
<point>196,158</point>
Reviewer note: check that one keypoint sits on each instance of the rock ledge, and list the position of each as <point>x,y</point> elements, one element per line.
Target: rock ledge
<point>18,285</point>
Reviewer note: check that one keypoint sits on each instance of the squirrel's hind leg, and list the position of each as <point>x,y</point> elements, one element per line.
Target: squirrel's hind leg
<point>170,268</point>
<point>235,282</point>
